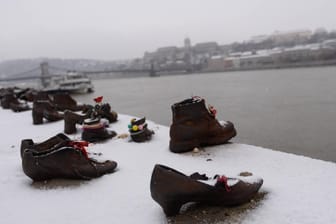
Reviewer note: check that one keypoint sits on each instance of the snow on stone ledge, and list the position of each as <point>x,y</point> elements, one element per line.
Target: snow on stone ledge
<point>300,189</point>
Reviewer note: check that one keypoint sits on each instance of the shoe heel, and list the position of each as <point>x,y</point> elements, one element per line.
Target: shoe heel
<point>171,208</point>
<point>37,117</point>
<point>183,146</point>
<point>69,127</point>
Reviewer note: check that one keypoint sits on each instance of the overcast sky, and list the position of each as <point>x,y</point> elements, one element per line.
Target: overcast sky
<point>111,29</point>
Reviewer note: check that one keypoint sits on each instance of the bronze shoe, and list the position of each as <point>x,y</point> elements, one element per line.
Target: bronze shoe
<point>10,101</point>
<point>95,131</point>
<point>139,130</point>
<point>172,189</point>
<point>44,109</point>
<point>195,125</point>
<point>67,160</point>
<point>105,111</point>
<point>42,146</point>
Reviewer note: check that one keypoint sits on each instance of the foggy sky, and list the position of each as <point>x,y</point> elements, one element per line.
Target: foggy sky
<point>111,29</point>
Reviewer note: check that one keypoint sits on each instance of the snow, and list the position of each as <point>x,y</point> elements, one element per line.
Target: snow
<point>300,189</point>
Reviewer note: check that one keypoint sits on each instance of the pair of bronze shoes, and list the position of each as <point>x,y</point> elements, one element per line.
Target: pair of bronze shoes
<point>72,118</point>
<point>10,101</point>
<point>50,106</point>
<point>59,157</point>
<point>61,101</point>
<point>94,129</point>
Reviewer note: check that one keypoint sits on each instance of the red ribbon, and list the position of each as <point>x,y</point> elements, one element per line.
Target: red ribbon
<point>212,110</point>
<point>98,99</point>
<point>223,180</point>
<point>80,145</point>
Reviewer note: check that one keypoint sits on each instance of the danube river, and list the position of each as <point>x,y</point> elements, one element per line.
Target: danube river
<point>290,110</point>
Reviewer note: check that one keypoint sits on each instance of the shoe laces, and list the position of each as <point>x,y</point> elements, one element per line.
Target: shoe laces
<point>80,145</point>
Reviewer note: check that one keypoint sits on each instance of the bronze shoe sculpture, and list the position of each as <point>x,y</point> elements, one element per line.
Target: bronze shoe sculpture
<point>195,125</point>
<point>42,146</point>
<point>44,109</point>
<point>67,160</point>
<point>95,131</point>
<point>9,101</point>
<point>63,101</point>
<point>17,106</point>
<point>28,95</point>
<point>71,119</point>
<point>139,130</point>
<point>172,189</point>
<point>6,99</point>
<point>103,110</point>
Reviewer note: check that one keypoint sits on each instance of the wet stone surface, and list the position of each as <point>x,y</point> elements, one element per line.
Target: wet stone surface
<point>58,183</point>
<point>203,214</point>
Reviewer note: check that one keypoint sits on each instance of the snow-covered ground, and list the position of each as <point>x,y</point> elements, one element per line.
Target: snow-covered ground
<point>300,189</point>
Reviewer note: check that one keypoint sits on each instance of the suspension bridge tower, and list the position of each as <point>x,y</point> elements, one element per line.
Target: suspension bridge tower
<point>188,54</point>
<point>44,73</point>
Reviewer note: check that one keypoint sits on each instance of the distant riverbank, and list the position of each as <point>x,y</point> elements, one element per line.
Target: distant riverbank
<point>301,64</point>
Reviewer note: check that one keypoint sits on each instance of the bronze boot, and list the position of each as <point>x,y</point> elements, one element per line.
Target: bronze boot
<point>105,111</point>
<point>65,160</point>
<point>195,125</point>
<point>44,109</point>
<point>172,189</point>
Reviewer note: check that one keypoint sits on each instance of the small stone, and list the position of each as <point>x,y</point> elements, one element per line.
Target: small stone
<point>245,174</point>
<point>208,160</point>
<point>122,136</point>
<point>196,150</point>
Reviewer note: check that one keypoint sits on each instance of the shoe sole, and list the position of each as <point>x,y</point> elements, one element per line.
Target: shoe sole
<point>186,146</point>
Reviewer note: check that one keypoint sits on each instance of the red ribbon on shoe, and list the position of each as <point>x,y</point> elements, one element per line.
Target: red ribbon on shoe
<point>98,99</point>
<point>212,110</point>
<point>80,145</point>
<point>223,180</point>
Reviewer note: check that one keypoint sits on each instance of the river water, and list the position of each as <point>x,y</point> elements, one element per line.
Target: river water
<point>290,110</point>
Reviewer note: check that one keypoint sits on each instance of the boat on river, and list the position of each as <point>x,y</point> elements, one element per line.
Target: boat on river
<point>72,82</point>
